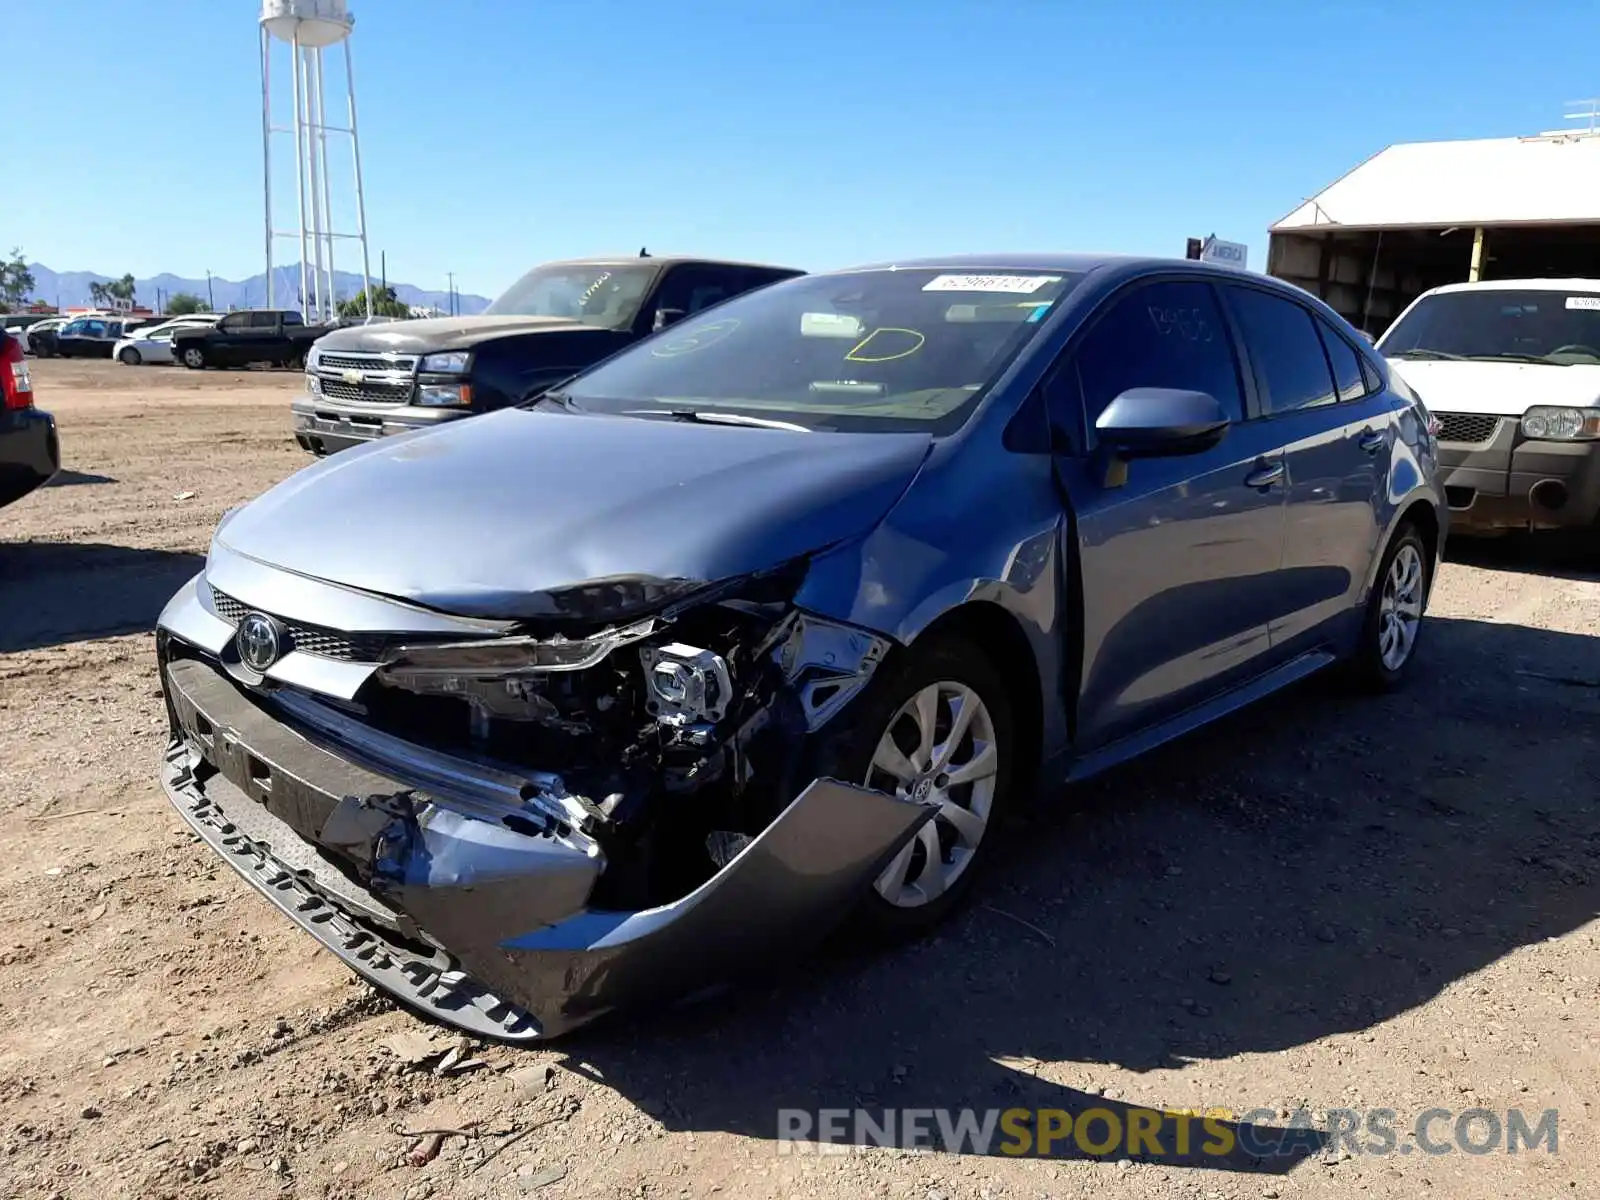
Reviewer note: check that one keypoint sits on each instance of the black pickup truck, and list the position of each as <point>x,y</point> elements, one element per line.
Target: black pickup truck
<point>259,335</point>
<point>372,380</point>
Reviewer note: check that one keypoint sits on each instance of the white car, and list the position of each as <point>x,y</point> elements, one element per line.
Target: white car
<point>153,343</point>
<point>46,325</point>
<point>1511,371</point>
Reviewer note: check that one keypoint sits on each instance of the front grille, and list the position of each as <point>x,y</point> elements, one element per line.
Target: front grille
<point>1467,427</point>
<point>364,362</point>
<point>366,393</point>
<point>315,639</point>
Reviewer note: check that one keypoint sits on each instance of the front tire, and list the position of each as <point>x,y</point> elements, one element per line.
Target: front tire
<point>194,358</point>
<point>1393,624</point>
<point>129,356</point>
<point>937,728</point>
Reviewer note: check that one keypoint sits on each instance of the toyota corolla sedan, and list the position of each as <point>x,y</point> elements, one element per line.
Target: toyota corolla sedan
<point>763,624</point>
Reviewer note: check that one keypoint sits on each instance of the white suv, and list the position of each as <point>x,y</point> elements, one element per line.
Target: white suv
<point>1511,369</point>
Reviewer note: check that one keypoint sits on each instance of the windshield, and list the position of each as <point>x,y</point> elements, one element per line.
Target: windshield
<point>594,293</point>
<point>1556,327</point>
<point>863,351</point>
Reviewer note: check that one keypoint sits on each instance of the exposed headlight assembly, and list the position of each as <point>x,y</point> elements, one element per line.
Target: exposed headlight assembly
<point>1553,424</point>
<point>455,362</point>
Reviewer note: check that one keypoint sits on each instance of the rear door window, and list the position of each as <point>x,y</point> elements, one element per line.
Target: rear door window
<point>1285,350</point>
<point>1348,378</point>
<point>1165,335</point>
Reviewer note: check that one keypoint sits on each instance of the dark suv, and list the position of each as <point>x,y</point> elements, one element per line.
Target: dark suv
<point>370,380</point>
<point>29,451</point>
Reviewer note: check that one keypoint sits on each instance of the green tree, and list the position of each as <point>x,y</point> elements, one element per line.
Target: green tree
<point>180,303</point>
<point>99,296</point>
<point>123,291</point>
<point>16,281</point>
<point>384,304</point>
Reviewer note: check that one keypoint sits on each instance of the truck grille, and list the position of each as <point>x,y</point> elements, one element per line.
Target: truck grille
<point>1467,427</point>
<point>366,393</point>
<point>365,362</point>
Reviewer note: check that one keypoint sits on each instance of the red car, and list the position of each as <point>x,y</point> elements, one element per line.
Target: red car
<point>29,450</point>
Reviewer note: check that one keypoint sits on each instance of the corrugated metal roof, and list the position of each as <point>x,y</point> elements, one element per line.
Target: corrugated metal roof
<point>1484,181</point>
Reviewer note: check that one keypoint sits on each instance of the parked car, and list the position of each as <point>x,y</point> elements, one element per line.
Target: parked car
<point>39,339</point>
<point>88,337</point>
<point>772,616</point>
<point>365,382</point>
<point>1511,369</point>
<point>153,343</point>
<point>29,450</point>
<point>279,337</point>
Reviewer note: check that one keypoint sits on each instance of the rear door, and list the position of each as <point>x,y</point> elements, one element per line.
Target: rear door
<point>1178,563</point>
<point>1335,436</point>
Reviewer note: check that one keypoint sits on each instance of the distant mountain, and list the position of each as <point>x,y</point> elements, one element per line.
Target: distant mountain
<point>71,288</point>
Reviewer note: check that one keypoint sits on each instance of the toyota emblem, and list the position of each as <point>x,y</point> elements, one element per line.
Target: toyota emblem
<point>258,641</point>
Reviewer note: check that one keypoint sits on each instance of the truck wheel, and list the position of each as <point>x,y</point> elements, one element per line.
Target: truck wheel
<point>194,358</point>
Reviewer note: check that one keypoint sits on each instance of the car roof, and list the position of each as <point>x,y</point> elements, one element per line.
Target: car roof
<point>1519,285</point>
<point>665,260</point>
<point>1054,261</point>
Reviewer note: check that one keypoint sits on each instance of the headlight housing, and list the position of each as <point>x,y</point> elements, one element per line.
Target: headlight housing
<point>1557,424</point>
<point>452,395</point>
<point>455,362</point>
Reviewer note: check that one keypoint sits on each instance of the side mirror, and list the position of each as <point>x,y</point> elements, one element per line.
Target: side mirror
<point>667,316</point>
<point>1156,422</point>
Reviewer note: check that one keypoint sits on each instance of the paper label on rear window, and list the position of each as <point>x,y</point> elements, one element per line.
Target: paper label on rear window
<point>1592,303</point>
<point>1020,285</point>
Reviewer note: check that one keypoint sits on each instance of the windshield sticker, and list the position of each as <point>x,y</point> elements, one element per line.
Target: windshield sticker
<point>1019,284</point>
<point>899,343</point>
<point>1038,313</point>
<point>688,343</point>
<point>1587,303</point>
<point>588,292</point>
<point>839,325</point>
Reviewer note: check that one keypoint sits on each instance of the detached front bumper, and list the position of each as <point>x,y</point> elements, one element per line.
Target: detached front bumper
<point>1506,482</point>
<point>476,912</point>
<point>30,452</point>
<point>323,425</point>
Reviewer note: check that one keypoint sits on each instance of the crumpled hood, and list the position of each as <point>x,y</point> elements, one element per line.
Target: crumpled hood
<point>1497,389</point>
<point>491,516</point>
<point>436,333</point>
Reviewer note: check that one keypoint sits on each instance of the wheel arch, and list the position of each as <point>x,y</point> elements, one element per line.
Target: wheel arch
<point>1422,512</point>
<point>996,632</point>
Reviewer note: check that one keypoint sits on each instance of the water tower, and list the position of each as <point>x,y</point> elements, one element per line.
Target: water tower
<point>309,27</point>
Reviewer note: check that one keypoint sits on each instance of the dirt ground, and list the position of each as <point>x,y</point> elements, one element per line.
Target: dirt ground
<point>1324,903</point>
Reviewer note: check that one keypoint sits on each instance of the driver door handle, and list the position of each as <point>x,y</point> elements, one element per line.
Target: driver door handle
<point>1265,474</point>
<point>1371,440</point>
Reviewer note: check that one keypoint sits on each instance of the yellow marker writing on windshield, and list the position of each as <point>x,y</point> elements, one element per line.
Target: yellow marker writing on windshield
<point>855,354</point>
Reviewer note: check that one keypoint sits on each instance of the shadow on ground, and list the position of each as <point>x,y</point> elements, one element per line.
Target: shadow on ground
<point>1558,553</point>
<point>55,593</point>
<point>66,478</point>
<point>1310,867</point>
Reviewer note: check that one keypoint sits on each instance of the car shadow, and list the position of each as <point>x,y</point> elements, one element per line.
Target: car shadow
<point>1557,553</point>
<point>55,593</point>
<point>1312,867</point>
<point>66,478</point>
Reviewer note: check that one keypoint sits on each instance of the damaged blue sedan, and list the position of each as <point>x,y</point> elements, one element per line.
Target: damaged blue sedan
<point>761,625</point>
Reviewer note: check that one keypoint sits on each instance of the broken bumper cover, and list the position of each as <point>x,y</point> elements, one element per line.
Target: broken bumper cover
<point>471,915</point>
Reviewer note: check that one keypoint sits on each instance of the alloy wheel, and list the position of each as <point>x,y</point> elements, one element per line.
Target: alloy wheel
<point>939,749</point>
<point>1400,609</point>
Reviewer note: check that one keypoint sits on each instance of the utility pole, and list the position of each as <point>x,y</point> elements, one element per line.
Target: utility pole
<point>383,266</point>
<point>211,301</point>
<point>451,292</point>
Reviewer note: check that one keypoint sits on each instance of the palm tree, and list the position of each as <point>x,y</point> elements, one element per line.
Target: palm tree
<point>99,295</point>
<point>123,290</point>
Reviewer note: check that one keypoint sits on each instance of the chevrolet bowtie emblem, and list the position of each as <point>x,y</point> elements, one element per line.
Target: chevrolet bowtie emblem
<point>352,377</point>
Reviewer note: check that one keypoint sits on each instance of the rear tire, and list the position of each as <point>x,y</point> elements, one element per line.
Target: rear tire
<point>1393,624</point>
<point>955,683</point>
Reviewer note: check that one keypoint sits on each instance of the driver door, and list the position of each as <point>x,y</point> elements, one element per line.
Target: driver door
<point>1177,561</point>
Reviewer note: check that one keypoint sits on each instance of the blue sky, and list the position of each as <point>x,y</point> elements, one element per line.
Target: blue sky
<point>815,134</point>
